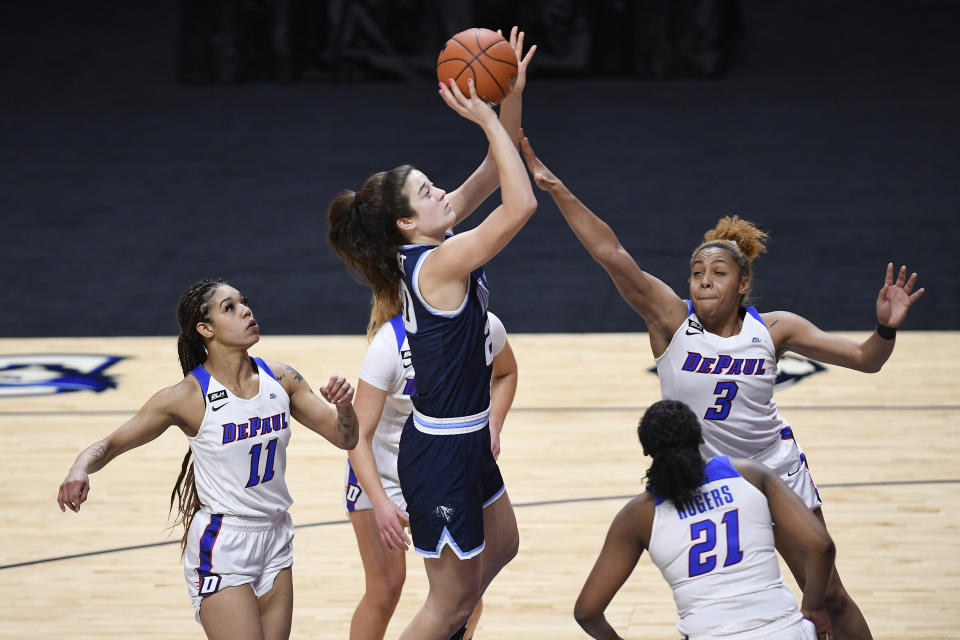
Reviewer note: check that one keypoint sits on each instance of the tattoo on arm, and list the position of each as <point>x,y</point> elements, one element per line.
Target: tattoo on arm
<point>347,425</point>
<point>773,323</point>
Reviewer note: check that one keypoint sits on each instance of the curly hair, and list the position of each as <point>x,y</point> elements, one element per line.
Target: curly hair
<point>738,237</point>
<point>670,434</point>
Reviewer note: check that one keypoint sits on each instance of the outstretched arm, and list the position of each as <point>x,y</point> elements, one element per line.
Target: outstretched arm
<point>485,180</point>
<point>793,333</point>
<point>790,513</point>
<point>167,407</point>
<point>340,427</point>
<point>449,265</point>
<point>657,304</point>
<point>621,551</point>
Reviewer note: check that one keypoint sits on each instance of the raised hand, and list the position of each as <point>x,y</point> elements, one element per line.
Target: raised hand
<point>338,391</point>
<point>542,176</point>
<point>473,108</point>
<point>895,298</point>
<point>516,42</point>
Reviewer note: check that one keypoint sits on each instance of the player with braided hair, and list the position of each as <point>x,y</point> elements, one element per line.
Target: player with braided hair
<point>235,411</point>
<point>719,355</point>
<point>707,526</point>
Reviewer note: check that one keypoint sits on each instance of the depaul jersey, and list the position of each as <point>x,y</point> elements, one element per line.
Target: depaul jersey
<point>716,552</point>
<point>451,351</point>
<point>240,450</point>
<point>728,382</point>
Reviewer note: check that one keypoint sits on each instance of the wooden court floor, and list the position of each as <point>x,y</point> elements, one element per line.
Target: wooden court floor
<point>883,448</point>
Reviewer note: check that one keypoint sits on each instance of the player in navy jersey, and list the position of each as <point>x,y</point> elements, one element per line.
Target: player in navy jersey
<point>719,355</point>
<point>394,234</point>
<point>707,526</point>
<point>372,494</point>
<point>235,411</point>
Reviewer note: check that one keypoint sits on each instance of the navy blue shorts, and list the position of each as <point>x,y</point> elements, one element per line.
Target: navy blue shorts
<point>447,480</point>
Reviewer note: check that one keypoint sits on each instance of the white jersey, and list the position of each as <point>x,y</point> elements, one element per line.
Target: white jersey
<point>240,450</point>
<point>728,382</point>
<point>388,366</point>
<point>717,553</point>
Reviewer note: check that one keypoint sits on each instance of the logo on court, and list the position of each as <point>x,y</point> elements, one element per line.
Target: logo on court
<point>49,373</point>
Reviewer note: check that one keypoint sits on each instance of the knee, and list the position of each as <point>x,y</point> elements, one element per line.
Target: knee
<point>384,594</point>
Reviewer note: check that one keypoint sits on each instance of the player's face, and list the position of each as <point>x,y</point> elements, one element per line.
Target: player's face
<point>716,287</point>
<point>232,319</point>
<point>434,216</point>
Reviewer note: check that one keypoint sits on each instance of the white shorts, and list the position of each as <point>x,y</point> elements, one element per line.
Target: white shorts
<point>355,498</point>
<point>787,460</point>
<point>228,551</point>
<point>790,627</point>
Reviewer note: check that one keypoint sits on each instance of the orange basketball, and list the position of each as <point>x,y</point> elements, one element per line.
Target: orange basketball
<point>485,57</point>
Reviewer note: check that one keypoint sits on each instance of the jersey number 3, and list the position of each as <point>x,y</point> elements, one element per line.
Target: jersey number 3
<point>700,563</point>
<point>725,392</point>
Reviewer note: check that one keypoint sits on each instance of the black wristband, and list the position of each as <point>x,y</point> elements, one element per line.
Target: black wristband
<point>885,332</point>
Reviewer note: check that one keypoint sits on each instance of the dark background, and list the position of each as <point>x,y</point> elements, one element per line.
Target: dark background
<point>137,156</point>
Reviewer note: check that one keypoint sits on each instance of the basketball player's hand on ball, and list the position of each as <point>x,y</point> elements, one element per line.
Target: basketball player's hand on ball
<point>896,297</point>
<point>541,175</point>
<point>472,108</point>
<point>516,41</point>
<point>338,391</point>
<point>73,490</point>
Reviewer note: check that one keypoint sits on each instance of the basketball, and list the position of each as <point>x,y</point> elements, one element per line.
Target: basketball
<point>481,55</point>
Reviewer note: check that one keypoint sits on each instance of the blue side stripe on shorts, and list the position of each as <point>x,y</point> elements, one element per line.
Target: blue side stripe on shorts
<point>207,540</point>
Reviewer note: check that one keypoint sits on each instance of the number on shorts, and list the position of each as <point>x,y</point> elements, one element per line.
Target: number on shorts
<point>255,478</point>
<point>725,392</point>
<point>700,565</point>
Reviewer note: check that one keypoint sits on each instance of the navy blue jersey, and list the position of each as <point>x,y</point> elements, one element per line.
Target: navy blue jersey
<point>452,351</point>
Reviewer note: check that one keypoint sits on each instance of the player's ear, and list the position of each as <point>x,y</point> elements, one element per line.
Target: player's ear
<point>406,224</point>
<point>744,286</point>
<point>205,329</point>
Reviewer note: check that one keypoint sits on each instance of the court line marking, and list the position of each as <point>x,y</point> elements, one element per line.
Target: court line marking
<point>866,407</point>
<point>516,505</point>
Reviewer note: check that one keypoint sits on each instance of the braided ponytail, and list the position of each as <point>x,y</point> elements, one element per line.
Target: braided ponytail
<point>194,307</point>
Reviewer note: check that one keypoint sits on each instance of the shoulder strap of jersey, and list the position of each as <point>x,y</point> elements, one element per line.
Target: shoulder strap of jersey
<point>203,377</point>
<point>756,315</point>
<point>399,332</point>
<point>263,367</point>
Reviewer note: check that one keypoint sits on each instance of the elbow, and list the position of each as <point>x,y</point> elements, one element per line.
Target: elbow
<point>529,207</point>
<point>585,614</point>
